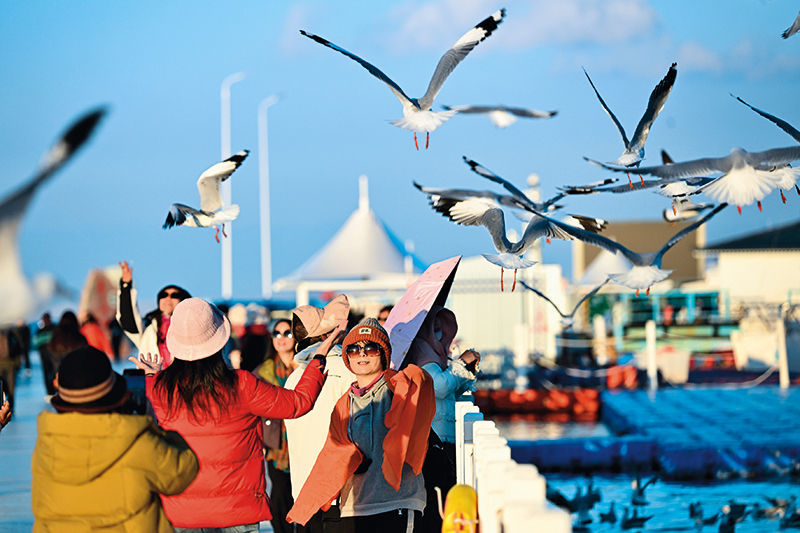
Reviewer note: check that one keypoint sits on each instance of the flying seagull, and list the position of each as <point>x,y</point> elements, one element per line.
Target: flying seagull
<point>15,291</point>
<point>211,212</point>
<point>788,128</point>
<point>794,28</point>
<point>747,177</point>
<point>566,318</point>
<point>646,266</point>
<point>485,211</point>
<point>417,114</point>
<point>501,116</point>
<point>634,149</point>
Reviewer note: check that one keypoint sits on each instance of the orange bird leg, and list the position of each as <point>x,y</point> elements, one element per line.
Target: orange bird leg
<point>641,179</point>
<point>513,285</point>
<point>629,179</point>
<point>547,239</point>
<point>223,231</point>
<point>501,279</point>
<point>637,292</point>
<point>739,208</point>
<point>674,211</point>
<point>648,291</point>
<point>783,198</point>
<point>415,141</point>
<point>759,205</point>
<point>427,139</point>
<point>216,235</point>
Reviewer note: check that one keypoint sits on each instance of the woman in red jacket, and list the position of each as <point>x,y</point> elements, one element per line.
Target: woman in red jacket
<point>218,411</point>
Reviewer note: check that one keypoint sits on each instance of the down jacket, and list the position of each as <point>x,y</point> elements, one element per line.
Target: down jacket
<point>103,471</point>
<point>230,488</point>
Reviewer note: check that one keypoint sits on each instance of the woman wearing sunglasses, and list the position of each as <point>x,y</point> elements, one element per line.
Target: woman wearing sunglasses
<point>377,439</point>
<point>276,370</point>
<point>148,335</point>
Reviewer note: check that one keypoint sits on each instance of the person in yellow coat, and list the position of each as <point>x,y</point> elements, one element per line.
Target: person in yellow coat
<point>95,468</point>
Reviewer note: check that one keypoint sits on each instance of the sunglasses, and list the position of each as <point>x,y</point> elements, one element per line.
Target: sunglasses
<point>286,333</point>
<point>371,349</point>
<point>175,295</point>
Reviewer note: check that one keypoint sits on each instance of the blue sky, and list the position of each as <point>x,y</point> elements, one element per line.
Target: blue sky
<point>159,65</point>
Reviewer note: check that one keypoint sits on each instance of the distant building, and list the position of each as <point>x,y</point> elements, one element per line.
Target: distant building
<point>761,267</point>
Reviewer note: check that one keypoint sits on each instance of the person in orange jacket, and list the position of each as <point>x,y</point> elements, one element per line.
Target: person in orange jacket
<point>378,437</point>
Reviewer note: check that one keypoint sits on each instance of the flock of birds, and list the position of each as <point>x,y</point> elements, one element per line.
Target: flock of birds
<point>740,178</point>
<point>784,510</point>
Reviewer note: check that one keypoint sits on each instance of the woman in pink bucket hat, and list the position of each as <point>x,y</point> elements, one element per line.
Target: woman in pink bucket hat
<point>218,411</point>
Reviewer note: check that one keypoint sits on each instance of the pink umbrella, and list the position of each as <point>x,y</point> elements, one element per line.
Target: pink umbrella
<point>431,288</point>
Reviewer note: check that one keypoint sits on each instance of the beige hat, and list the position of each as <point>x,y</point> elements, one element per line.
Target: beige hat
<point>318,321</point>
<point>197,330</point>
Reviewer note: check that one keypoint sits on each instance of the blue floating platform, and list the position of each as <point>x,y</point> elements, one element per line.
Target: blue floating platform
<point>685,434</point>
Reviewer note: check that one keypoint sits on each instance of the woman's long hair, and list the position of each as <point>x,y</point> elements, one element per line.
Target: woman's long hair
<point>203,387</point>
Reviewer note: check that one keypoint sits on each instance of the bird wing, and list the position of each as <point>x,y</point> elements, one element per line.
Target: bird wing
<point>593,224</point>
<point>587,296</point>
<point>685,169</point>
<point>484,172</point>
<point>544,297</point>
<point>60,152</point>
<point>463,194</point>
<point>770,158</point>
<point>666,159</point>
<point>178,213</point>
<point>686,231</point>
<point>588,188</point>
<point>608,111</point>
<point>457,53</point>
<point>208,182</point>
<point>794,28</point>
<point>372,69</point>
<point>654,106</point>
<point>782,124</point>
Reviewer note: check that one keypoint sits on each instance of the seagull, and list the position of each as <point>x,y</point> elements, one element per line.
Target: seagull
<point>794,28</point>
<point>747,177</point>
<point>482,211</point>
<point>211,212</point>
<point>16,292</point>
<point>634,149</point>
<point>646,268</point>
<point>786,183</point>
<point>501,116</point>
<point>631,521</point>
<point>638,497</point>
<point>417,114</point>
<point>566,319</point>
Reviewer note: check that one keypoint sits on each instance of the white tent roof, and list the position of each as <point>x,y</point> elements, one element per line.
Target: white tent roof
<point>363,249</point>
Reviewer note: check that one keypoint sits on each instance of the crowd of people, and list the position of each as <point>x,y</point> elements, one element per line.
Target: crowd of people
<point>309,401</point>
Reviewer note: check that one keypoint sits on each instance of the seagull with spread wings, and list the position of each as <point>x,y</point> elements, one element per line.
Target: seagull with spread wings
<point>747,177</point>
<point>634,149</point>
<point>502,116</point>
<point>787,182</point>
<point>417,114</point>
<point>794,28</point>
<point>646,268</point>
<point>567,319</point>
<point>211,212</point>
<point>16,293</point>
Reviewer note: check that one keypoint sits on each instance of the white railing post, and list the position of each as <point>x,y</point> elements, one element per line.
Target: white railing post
<point>464,409</point>
<point>783,363</point>
<point>652,368</point>
<point>600,340</point>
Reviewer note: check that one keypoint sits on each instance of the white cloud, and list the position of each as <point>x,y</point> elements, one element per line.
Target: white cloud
<point>436,24</point>
<point>694,56</point>
<point>297,18</point>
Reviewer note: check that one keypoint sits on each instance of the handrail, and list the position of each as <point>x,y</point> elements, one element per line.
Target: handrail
<point>511,496</point>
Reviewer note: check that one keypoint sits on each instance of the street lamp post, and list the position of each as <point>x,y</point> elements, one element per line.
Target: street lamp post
<point>225,149</point>
<point>263,182</point>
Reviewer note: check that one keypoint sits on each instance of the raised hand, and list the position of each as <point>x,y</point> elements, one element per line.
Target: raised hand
<point>151,364</point>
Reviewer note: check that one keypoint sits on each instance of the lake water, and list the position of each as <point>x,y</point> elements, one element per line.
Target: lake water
<point>668,501</point>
